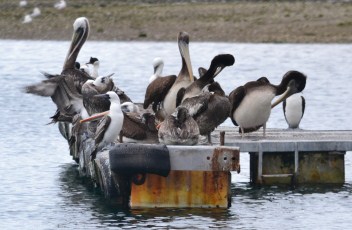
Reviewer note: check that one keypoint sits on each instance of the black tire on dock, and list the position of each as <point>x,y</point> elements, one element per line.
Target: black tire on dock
<point>133,159</point>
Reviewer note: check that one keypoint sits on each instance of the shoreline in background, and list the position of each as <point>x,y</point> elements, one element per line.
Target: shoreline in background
<point>235,21</point>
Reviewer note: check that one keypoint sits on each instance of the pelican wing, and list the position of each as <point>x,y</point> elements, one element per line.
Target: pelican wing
<point>133,126</point>
<point>197,105</point>
<point>157,90</point>
<point>45,88</point>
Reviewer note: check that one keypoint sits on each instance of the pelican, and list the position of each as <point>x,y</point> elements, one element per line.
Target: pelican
<point>163,91</point>
<point>158,65</point>
<point>90,88</point>
<point>218,63</point>
<point>209,109</point>
<point>60,5</point>
<point>65,89</point>
<point>293,108</point>
<point>179,128</point>
<point>251,104</point>
<point>139,127</point>
<point>110,125</point>
<point>95,62</point>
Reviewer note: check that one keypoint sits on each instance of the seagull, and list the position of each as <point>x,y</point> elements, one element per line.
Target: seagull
<point>27,19</point>
<point>23,3</point>
<point>36,12</point>
<point>60,5</point>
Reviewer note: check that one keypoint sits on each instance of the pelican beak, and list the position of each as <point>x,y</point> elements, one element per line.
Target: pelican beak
<point>95,117</point>
<point>185,53</point>
<point>289,91</point>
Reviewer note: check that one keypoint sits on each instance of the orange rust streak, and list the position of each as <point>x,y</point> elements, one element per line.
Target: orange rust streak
<point>183,189</point>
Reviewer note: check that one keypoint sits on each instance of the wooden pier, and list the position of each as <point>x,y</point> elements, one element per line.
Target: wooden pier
<point>154,175</point>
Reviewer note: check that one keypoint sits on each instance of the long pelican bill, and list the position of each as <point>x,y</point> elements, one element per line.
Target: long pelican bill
<point>185,51</point>
<point>95,117</point>
<point>286,94</point>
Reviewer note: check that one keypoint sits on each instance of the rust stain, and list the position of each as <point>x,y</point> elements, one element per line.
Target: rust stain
<point>183,189</point>
<point>223,155</point>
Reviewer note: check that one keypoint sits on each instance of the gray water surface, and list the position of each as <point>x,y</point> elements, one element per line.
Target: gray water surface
<point>41,189</point>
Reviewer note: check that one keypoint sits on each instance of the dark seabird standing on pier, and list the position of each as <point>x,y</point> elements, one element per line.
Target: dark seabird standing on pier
<point>251,103</point>
<point>294,107</point>
<point>179,128</point>
<point>209,109</point>
<point>162,91</point>
<point>110,125</point>
<point>65,89</point>
<point>218,63</point>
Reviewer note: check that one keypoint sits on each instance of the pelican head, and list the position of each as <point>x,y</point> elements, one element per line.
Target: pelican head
<point>292,82</point>
<point>183,42</point>
<point>80,35</point>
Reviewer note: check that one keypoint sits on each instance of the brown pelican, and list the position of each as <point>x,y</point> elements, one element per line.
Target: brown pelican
<point>218,63</point>
<point>95,62</point>
<point>109,127</point>
<point>90,88</point>
<point>209,109</point>
<point>251,103</point>
<point>179,128</point>
<point>65,89</point>
<point>293,108</point>
<point>139,127</point>
<point>158,65</point>
<point>163,91</point>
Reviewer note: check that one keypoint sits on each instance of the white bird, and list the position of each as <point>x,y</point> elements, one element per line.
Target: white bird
<point>158,65</point>
<point>60,5</point>
<point>27,19</point>
<point>36,12</point>
<point>110,126</point>
<point>293,108</point>
<point>95,62</point>
<point>23,3</point>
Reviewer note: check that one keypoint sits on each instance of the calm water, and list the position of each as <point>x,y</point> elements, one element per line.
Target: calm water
<point>40,187</point>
